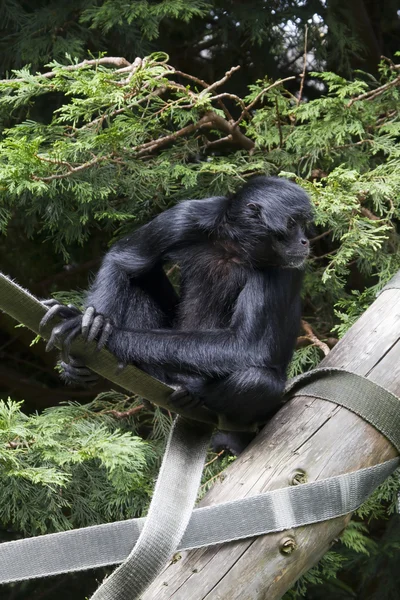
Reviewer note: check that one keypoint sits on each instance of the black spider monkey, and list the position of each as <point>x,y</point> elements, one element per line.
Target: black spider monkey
<point>226,342</point>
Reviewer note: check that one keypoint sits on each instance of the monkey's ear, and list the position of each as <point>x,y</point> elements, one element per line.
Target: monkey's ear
<point>255,209</point>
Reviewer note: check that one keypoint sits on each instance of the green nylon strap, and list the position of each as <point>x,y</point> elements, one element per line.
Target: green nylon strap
<point>273,511</point>
<point>368,400</point>
<point>22,306</point>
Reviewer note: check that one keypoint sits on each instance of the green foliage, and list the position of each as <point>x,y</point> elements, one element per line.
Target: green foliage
<point>116,151</point>
<point>326,570</point>
<point>304,359</point>
<point>75,461</point>
<point>146,15</point>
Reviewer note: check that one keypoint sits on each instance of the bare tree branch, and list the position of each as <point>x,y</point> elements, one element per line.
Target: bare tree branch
<point>72,170</point>
<point>257,98</point>
<point>310,335</point>
<point>105,60</point>
<point>371,94</point>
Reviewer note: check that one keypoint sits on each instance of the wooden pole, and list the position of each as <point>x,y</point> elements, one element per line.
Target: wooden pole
<point>309,436</point>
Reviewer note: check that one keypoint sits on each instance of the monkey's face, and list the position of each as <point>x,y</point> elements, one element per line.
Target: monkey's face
<point>289,248</point>
<point>292,247</point>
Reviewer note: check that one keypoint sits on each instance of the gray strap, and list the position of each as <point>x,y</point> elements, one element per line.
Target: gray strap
<point>367,399</point>
<point>22,306</point>
<point>170,510</point>
<point>273,511</point>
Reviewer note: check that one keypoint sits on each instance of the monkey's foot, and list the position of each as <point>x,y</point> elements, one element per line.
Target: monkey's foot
<point>76,373</point>
<point>181,398</point>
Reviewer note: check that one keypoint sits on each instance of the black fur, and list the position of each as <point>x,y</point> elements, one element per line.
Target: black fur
<point>229,337</point>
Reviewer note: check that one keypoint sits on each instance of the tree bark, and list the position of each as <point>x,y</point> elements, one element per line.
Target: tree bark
<point>317,437</point>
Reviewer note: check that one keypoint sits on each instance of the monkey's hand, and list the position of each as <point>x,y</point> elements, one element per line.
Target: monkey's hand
<point>92,326</point>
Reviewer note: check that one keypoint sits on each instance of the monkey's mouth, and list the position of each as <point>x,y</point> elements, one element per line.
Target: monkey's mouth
<point>296,260</point>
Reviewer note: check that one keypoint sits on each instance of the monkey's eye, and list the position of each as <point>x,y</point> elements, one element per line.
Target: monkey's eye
<point>291,224</point>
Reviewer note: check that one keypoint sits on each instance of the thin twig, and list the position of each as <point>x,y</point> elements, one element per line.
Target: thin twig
<point>172,270</point>
<point>210,462</point>
<point>278,120</point>
<point>321,235</point>
<point>156,144</point>
<point>201,82</point>
<point>221,81</point>
<point>55,161</point>
<point>303,75</point>
<point>256,99</point>
<point>328,254</point>
<point>371,94</point>
<point>205,85</point>
<point>221,475</point>
<point>210,119</point>
<point>158,92</point>
<point>126,413</point>
<point>212,144</point>
<point>391,63</point>
<point>369,214</point>
<point>314,339</point>
<point>72,170</point>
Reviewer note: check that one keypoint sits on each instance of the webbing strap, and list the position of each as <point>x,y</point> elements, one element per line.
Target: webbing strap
<point>22,306</point>
<point>104,545</point>
<point>367,399</point>
<point>170,509</point>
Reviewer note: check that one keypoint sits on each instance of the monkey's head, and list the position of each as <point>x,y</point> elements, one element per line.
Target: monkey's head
<point>275,213</point>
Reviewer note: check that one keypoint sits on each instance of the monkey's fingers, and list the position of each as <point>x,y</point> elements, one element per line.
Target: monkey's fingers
<point>181,398</point>
<point>66,343</point>
<point>105,335</point>
<point>73,309</point>
<point>56,309</point>
<point>96,327</point>
<point>60,331</point>
<point>50,302</point>
<point>87,321</point>
<point>59,310</point>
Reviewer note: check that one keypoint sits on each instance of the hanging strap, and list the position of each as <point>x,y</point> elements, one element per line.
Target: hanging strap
<point>367,399</point>
<point>170,510</point>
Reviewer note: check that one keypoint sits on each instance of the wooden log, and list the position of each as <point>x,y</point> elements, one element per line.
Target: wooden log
<point>314,436</point>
